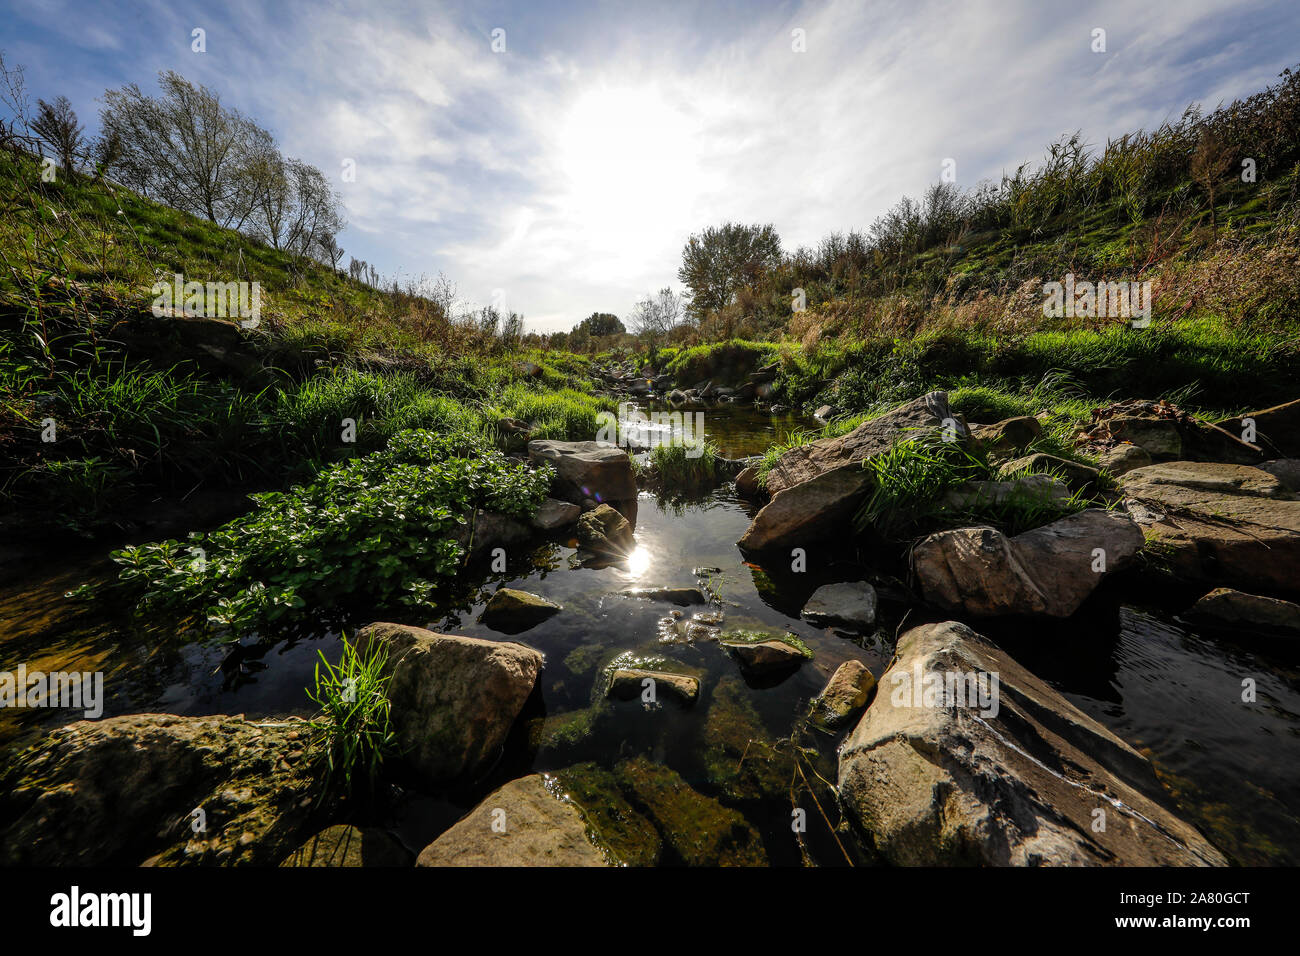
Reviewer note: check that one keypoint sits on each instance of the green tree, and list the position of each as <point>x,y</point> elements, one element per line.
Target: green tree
<point>721,260</point>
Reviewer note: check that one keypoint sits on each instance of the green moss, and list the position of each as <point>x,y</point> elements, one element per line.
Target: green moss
<point>625,835</point>
<point>761,637</point>
<point>739,758</point>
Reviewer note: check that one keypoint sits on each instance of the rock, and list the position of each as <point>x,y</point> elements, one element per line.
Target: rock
<point>816,458</point>
<point>1159,438</point>
<point>627,683</point>
<point>344,845</point>
<point>1009,435</point>
<point>850,604</point>
<point>511,611</point>
<point>844,695</point>
<point>1277,429</point>
<point>747,482</point>
<point>1219,524</point>
<point>488,530</point>
<point>586,470</point>
<point>613,824</point>
<point>677,397</point>
<point>740,756</point>
<point>555,515</point>
<point>521,824</point>
<point>1123,458</point>
<point>454,699</point>
<point>604,531</point>
<point>1224,607</point>
<point>1048,571</point>
<point>1014,780</point>
<point>699,830</point>
<point>763,654</point>
<point>120,791</point>
<point>1035,489</point>
<point>1285,470</point>
<point>682,597</point>
<point>1078,476</point>
<point>824,413</point>
<point>1167,432</point>
<point>805,513</point>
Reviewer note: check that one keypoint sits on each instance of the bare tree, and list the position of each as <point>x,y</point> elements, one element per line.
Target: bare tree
<point>57,126</point>
<point>329,249</point>
<point>657,315</point>
<point>189,151</point>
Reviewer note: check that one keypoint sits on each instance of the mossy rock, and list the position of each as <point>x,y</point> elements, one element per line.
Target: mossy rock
<point>582,660</point>
<point>700,830</point>
<point>625,835</point>
<point>566,733</point>
<point>739,756</point>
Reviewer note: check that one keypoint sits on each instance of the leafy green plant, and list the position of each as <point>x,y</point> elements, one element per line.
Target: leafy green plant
<point>352,732</point>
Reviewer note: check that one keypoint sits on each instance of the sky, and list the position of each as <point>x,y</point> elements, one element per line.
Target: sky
<point>553,158</point>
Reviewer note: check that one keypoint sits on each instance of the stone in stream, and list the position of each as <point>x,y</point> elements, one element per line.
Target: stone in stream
<point>682,597</point>
<point>345,845</point>
<point>586,471</point>
<point>740,756</point>
<point>120,791</point>
<point>510,610</point>
<point>555,515</point>
<point>627,683</point>
<point>454,699</point>
<point>1219,524</point>
<point>799,465</point>
<point>1224,607</point>
<point>761,654</point>
<point>1049,571</point>
<point>747,482</point>
<point>604,531</point>
<point>524,823</point>
<point>845,694</point>
<point>818,509</point>
<point>849,604</point>
<point>964,757</point>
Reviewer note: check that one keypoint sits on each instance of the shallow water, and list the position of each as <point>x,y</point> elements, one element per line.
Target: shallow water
<point>1232,768</point>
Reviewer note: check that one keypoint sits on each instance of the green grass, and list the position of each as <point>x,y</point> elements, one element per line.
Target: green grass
<point>352,734</point>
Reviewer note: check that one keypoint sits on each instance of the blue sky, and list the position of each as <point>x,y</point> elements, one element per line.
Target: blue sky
<point>563,175</point>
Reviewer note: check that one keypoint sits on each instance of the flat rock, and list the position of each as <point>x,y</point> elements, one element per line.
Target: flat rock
<point>1014,778</point>
<point>1219,524</point>
<point>849,604</point>
<point>1224,607</point>
<point>454,699</point>
<point>626,683</point>
<point>523,823</point>
<point>682,597</point>
<point>1049,571</point>
<point>1285,470</point>
<point>586,470</point>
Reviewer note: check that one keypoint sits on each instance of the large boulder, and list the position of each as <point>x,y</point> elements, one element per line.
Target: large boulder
<point>1219,524</point>
<point>1049,571</point>
<point>806,514</point>
<point>1277,429</point>
<point>524,823</point>
<point>157,788</point>
<point>805,462</point>
<point>1016,776</point>
<point>454,698</point>
<point>586,472</point>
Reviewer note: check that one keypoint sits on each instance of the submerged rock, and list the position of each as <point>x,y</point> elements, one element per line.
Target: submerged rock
<point>1049,571</point>
<point>740,758</point>
<point>454,699</point>
<point>524,823</point>
<point>1219,524</point>
<point>604,531</point>
<point>627,683</point>
<point>845,694</point>
<point>1019,777</point>
<point>682,597</point>
<point>625,835</point>
<point>511,611</point>
<point>122,791</point>
<point>850,604</point>
<point>586,470</point>
<point>698,829</point>
<point>344,845</point>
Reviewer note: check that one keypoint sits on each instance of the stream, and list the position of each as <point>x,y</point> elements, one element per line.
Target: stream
<point>1231,768</point>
